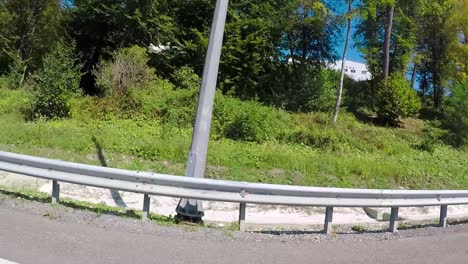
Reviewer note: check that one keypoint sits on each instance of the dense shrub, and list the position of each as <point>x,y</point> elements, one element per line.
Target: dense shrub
<point>14,76</point>
<point>316,138</point>
<point>179,107</point>
<point>120,80</point>
<point>13,101</point>
<point>247,120</point>
<point>301,88</point>
<point>128,69</point>
<point>396,99</point>
<point>232,118</point>
<point>56,83</point>
<point>433,136</point>
<point>358,96</point>
<point>186,78</point>
<point>456,113</point>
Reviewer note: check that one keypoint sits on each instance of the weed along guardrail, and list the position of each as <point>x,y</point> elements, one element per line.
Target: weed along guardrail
<point>226,191</point>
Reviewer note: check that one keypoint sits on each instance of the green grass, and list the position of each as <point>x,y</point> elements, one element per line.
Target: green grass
<point>32,195</point>
<point>309,151</point>
<point>358,228</point>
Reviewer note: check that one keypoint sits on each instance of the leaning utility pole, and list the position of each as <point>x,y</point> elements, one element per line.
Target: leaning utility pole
<point>190,208</point>
<point>343,61</point>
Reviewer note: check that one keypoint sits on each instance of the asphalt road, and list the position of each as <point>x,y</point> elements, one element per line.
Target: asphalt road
<point>28,238</point>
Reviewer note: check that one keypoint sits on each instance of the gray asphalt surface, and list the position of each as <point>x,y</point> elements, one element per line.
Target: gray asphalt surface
<point>31,238</point>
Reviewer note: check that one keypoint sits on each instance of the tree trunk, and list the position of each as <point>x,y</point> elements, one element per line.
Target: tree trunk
<point>388,34</point>
<point>23,75</point>
<point>343,62</point>
<point>413,74</point>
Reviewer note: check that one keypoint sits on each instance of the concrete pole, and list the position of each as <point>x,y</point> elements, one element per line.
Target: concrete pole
<point>201,132</point>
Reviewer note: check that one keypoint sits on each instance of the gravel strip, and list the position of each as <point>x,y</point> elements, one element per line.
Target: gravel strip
<point>343,233</point>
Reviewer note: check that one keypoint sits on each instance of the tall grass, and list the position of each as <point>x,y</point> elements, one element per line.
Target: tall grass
<point>303,149</point>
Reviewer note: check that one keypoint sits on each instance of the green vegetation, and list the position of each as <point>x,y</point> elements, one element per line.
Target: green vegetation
<point>56,84</point>
<point>129,84</point>
<point>80,205</point>
<point>301,149</point>
<point>358,228</point>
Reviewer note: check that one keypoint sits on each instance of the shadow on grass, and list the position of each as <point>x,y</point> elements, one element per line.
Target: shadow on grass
<point>317,232</point>
<point>288,233</point>
<point>363,230</point>
<point>84,206</point>
<point>102,159</point>
<point>416,226</point>
<point>26,196</point>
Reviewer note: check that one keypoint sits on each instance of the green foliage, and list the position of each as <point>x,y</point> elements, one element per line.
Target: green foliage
<point>433,136</point>
<point>232,118</point>
<point>56,83</point>
<point>371,29</point>
<point>185,78</point>
<point>302,88</point>
<point>14,101</point>
<point>456,114</point>
<point>179,107</point>
<point>372,157</point>
<point>247,121</point>
<point>120,81</point>
<point>101,27</point>
<point>128,69</point>
<point>358,228</point>
<point>396,99</point>
<point>28,28</point>
<point>12,78</point>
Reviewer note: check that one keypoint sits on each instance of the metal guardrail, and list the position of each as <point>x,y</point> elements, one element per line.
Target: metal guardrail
<point>226,191</point>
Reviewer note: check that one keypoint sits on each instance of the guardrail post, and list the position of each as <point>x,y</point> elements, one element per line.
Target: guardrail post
<point>394,220</point>
<point>55,192</point>
<point>328,226</point>
<point>443,216</point>
<point>146,208</point>
<point>242,207</point>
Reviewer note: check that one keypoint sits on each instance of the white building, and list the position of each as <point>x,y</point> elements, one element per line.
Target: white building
<point>355,70</point>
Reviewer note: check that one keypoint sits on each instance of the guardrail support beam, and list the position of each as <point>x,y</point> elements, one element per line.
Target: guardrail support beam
<point>443,216</point>
<point>55,192</point>
<point>394,220</point>
<point>146,208</point>
<point>242,209</point>
<point>328,226</point>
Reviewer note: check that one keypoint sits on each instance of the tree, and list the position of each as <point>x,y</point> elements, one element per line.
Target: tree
<point>101,27</point>
<point>396,99</point>
<point>387,37</point>
<point>456,113</point>
<point>343,62</point>
<point>390,9</point>
<point>28,29</point>
<point>309,32</point>
<point>56,83</point>
<point>249,50</point>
